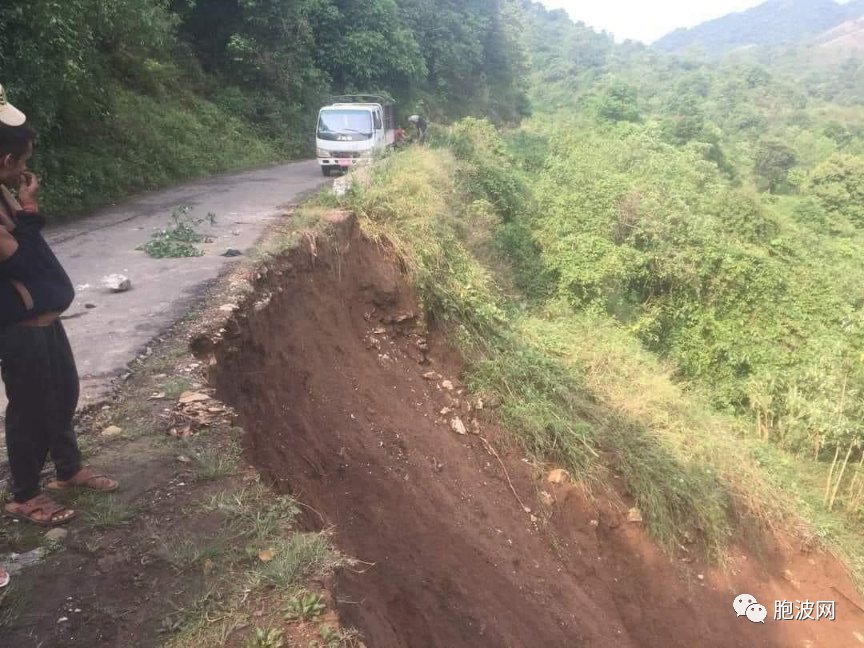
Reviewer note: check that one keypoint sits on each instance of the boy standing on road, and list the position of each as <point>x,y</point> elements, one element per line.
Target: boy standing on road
<point>36,361</point>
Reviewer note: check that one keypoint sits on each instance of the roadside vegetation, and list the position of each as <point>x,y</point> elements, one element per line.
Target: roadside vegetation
<point>131,95</point>
<point>565,292</point>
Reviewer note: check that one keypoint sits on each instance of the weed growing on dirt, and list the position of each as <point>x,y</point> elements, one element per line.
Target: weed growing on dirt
<point>336,638</point>
<point>305,606</point>
<point>19,538</point>
<point>174,388</point>
<point>179,239</point>
<point>104,511</point>
<point>293,559</point>
<point>214,462</point>
<point>193,552</point>
<point>255,551</point>
<point>14,603</point>
<point>266,638</point>
<point>304,220</point>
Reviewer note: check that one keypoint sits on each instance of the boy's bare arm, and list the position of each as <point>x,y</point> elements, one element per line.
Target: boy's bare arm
<point>8,244</point>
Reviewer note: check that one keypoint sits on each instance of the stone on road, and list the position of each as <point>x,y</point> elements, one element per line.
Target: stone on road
<point>107,338</point>
<point>116,283</point>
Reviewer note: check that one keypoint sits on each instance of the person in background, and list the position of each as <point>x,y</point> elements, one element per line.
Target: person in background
<point>400,135</point>
<point>36,361</point>
<point>420,122</point>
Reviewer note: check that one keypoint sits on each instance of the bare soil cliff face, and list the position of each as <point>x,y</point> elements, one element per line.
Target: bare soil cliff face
<point>332,374</point>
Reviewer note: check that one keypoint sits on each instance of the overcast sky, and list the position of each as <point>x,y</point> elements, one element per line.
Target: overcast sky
<point>646,20</point>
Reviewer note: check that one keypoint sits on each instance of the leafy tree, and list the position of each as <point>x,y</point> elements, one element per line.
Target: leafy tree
<point>772,161</point>
<point>619,101</point>
<point>687,121</point>
<point>839,185</point>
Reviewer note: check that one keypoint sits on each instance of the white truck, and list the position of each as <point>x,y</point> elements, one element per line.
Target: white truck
<point>351,129</point>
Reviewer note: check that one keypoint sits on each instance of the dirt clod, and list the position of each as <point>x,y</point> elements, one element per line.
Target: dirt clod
<point>56,535</point>
<point>558,476</point>
<point>458,426</point>
<point>111,431</point>
<point>193,397</point>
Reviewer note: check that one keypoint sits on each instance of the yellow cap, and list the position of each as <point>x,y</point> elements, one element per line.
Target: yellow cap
<point>9,114</point>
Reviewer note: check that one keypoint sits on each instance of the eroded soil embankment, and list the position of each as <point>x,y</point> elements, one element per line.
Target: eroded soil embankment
<point>328,381</point>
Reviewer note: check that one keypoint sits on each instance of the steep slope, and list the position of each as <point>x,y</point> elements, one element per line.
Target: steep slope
<point>772,23</point>
<point>337,410</point>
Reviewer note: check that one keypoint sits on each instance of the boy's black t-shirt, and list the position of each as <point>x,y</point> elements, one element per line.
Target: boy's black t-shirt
<point>35,267</point>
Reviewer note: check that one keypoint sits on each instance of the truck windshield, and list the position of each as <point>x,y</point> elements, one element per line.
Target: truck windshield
<point>357,124</point>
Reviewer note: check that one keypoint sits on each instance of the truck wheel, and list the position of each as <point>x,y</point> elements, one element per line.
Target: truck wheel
<point>326,171</point>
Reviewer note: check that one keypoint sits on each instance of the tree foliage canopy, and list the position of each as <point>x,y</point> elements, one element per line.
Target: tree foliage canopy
<point>257,69</point>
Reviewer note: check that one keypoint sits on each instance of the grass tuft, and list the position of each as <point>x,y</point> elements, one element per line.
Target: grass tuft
<point>101,510</point>
<point>215,462</point>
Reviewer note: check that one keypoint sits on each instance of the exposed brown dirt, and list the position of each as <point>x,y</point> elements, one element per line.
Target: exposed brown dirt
<point>328,381</point>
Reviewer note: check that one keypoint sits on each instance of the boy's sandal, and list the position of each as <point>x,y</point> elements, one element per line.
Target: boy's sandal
<point>93,482</point>
<point>41,510</point>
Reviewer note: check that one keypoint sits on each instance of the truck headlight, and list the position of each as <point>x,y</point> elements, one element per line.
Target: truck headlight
<point>322,153</point>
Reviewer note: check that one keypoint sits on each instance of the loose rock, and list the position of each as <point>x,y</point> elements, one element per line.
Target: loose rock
<point>56,535</point>
<point>446,384</point>
<point>111,431</point>
<point>193,397</point>
<point>232,252</point>
<point>117,283</point>
<point>229,308</point>
<point>431,375</point>
<point>458,426</point>
<point>559,476</point>
<point>634,515</point>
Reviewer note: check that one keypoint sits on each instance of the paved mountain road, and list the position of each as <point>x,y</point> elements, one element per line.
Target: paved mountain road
<point>106,338</point>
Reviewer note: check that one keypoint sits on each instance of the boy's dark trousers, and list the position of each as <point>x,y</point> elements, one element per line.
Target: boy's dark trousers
<point>41,379</point>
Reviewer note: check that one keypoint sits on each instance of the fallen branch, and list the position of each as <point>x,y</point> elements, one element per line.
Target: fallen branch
<point>492,451</point>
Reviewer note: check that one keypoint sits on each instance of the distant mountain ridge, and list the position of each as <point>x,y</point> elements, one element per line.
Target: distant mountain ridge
<point>773,23</point>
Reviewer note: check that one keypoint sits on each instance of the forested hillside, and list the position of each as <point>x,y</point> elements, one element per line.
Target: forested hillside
<point>715,210</point>
<point>775,22</point>
<point>707,212</point>
<point>134,94</point>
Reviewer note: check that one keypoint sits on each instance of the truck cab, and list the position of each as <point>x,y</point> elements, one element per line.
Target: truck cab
<point>351,129</point>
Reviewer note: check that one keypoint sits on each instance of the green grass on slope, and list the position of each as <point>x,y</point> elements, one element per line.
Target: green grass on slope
<point>145,144</point>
